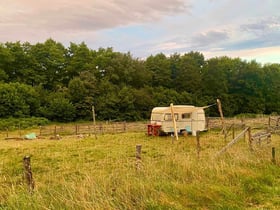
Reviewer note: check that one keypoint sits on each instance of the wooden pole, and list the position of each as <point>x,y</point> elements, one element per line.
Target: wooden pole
<point>124,126</point>
<point>94,123</point>
<point>55,130</point>
<point>273,155</point>
<point>28,173</point>
<point>250,139</point>
<point>138,156</point>
<point>232,142</point>
<point>174,121</point>
<point>221,115</point>
<point>76,129</point>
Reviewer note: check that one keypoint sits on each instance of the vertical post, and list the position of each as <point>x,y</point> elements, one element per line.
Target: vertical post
<point>233,131</point>
<point>207,123</point>
<point>250,138</point>
<point>174,122</point>
<point>124,126</point>
<point>55,130</point>
<point>138,156</point>
<point>93,118</point>
<point>7,132</point>
<point>273,155</point>
<point>198,148</point>
<point>28,173</point>
<point>221,115</point>
<point>269,121</point>
<point>40,130</point>
<point>76,129</point>
<point>243,127</point>
<point>101,128</point>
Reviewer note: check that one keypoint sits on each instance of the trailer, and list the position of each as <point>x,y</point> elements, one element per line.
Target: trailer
<point>189,119</point>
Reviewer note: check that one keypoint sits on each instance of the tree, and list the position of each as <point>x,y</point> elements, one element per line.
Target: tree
<point>188,73</point>
<point>5,62</point>
<point>18,100</point>
<point>49,63</point>
<point>58,108</point>
<point>79,59</point>
<point>159,66</point>
<point>271,88</point>
<point>246,86</point>
<point>82,91</point>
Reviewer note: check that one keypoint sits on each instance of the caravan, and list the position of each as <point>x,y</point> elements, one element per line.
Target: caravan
<point>188,119</point>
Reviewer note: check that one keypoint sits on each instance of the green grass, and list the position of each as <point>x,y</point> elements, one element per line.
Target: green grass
<point>101,173</point>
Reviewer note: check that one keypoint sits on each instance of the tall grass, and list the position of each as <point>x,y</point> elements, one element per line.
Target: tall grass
<point>100,173</point>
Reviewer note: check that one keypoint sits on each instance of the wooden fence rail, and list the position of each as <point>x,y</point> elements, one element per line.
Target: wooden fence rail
<point>121,127</point>
<point>100,128</point>
<point>234,141</point>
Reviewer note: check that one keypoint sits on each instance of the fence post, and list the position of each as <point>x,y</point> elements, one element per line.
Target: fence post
<point>76,129</point>
<point>243,127</point>
<point>124,126</point>
<point>138,156</point>
<point>250,138</point>
<point>55,130</point>
<point>28,173</point>
<point>7,132</point>
<point>233,131</point>
<point>207,123</point>
<point>273,155</point>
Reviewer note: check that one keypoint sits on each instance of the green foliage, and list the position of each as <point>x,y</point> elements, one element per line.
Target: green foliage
<point>22,123</point>
<point>58,108</point>
<point>125,88</point>
<point>18,100</point>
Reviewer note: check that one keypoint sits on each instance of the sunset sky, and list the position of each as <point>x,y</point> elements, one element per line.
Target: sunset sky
<point>249,29</point>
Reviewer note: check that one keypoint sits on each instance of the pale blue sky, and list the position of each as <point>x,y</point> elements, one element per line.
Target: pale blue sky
<point>249,29</point>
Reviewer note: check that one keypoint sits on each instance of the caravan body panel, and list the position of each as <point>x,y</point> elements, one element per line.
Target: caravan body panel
<point>188,118</point>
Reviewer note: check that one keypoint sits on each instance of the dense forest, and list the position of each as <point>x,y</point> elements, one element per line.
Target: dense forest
<point>62,84</point>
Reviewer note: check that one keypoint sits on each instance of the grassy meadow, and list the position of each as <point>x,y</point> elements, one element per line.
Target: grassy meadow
<point>101,173</point>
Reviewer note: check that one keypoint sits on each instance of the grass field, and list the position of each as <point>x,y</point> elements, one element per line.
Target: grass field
<point>101,173</point>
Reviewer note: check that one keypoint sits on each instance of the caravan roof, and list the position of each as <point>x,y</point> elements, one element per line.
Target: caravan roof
<point>177,108</point>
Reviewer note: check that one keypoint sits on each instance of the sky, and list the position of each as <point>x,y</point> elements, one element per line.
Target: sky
<point>248,29</point>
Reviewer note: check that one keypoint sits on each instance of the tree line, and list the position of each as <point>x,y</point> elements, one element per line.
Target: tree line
<point>62,84</point>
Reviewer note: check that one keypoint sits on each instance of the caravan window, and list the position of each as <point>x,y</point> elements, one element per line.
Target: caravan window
<point>186,115</point>
<point>156,117</point>
<point>168,117</point>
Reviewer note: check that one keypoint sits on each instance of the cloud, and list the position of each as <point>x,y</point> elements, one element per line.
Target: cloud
<point>262,26</point>
<point>86,14</point>
<point>209,38</point>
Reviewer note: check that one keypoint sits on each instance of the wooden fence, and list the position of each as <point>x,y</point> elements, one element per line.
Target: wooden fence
<point>99,128</point>
<point>121,127</point>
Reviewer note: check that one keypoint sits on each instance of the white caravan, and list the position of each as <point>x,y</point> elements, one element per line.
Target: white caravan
<point>188,118</point>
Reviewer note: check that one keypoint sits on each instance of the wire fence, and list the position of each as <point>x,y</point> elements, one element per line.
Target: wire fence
<point>122,127</point>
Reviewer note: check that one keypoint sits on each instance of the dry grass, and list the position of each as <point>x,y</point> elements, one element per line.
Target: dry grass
<point>101,173</point>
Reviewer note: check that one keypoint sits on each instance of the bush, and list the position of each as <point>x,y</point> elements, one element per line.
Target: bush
<point>59,110</point>
<point>15,123</point>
